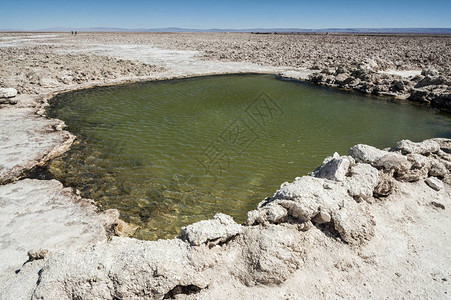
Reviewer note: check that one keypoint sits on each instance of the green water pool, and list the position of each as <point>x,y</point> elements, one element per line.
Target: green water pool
<point>170,153</point>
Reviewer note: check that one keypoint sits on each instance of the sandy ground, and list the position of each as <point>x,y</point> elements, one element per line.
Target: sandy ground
<point>406,257</point>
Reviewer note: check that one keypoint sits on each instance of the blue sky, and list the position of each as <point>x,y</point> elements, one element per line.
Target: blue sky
<point>35,14</point>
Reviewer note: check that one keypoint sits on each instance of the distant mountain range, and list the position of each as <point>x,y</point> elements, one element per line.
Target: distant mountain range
<point>256,30</point>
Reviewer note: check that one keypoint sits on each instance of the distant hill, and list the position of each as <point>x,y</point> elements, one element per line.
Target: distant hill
<point>257,30</point>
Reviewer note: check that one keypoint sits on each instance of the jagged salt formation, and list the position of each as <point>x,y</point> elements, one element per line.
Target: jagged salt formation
<point>429,87</point>
<point>333,206</point>
<point>338,193</point>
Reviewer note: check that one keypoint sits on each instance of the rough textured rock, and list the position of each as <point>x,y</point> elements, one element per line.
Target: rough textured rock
<point>430,80</point>
<point>270,255</point>
<point>423,159</point>
<point>380,159</point>
<point>437,168</point>
<point>359,179</point>
<point>309,197</point>
<point>8,92</point>
<point>393,162</point>
<point>445,144</point>
<point>362,181</point>
<point>265,261</point>
<point>7,96</point>
<point>413,175</point>
<point>366,154</point>
<point>123,269</point>
<point>212,232</point>
<point>447,179</point>
<point>342,78</point>
<point>384,186</point>
<point>418,161</point>
<point>334,168</point>
<point>424,147</point>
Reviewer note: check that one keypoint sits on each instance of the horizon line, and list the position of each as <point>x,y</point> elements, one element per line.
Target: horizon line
<point>218,28</point>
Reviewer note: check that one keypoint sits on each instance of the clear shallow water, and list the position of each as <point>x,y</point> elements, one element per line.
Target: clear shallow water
<point>170,153</point>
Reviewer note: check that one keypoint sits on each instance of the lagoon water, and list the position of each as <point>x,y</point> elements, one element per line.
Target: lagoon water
<point>170,153</point>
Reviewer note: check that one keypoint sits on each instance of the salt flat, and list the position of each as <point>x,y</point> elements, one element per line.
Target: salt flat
<point>393,246</point>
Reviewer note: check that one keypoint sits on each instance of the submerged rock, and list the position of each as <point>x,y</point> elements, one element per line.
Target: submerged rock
<point>125,229</point>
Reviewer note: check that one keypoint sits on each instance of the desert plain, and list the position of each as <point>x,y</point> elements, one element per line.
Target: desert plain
<point>371,223</point>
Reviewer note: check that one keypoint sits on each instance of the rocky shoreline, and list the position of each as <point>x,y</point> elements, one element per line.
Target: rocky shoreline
<point>367,219</point>
<point>339,207</point>
<point>428,87</point>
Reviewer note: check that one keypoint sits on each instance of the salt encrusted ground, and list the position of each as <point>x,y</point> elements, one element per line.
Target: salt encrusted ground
<point>329,236</point>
